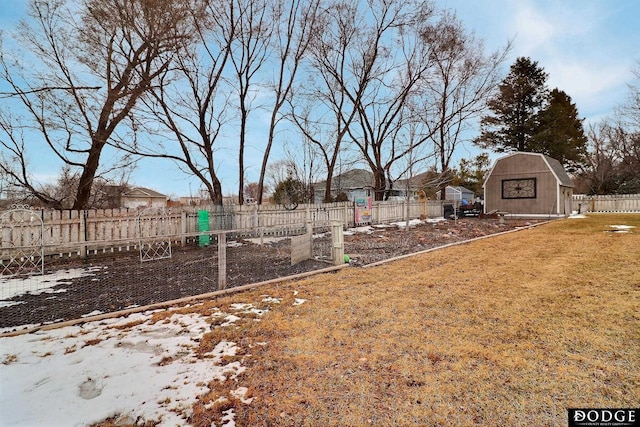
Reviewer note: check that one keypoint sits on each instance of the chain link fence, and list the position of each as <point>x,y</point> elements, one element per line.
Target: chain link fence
<point>154,267</point>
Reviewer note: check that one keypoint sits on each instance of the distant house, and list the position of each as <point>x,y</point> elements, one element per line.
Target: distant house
<point>191,201</point>
<point>458,193</point>
<point>361,183</point>
<point>413,187</point>
<point>528,184</point>
<point>354,183</point>
<point>140,197</point>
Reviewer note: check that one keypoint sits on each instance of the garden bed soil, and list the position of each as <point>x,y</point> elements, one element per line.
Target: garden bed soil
<point>119,281</point>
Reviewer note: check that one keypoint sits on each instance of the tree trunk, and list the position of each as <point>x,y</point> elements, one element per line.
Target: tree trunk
<point>327,188</point>
<point>265,158</point>
<point>215,191</point>
<point>243,130</point>
<point>88,175</point>
<point>380,184</point>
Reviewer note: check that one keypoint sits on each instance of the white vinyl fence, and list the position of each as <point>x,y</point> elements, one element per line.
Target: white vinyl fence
<point>81,233</point>
<point>618,203</point>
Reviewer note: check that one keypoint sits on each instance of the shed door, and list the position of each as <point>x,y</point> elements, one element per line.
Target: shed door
<point>566,202</point>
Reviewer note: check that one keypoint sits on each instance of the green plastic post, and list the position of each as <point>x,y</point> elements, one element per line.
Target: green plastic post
<point>203,225</point>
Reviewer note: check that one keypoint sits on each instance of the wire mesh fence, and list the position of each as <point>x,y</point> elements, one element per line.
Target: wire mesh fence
<point>22,233</point>
<point>73,287</point>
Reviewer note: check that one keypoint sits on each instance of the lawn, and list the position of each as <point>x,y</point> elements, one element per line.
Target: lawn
<point>508,330</point>
<point>511,330</point>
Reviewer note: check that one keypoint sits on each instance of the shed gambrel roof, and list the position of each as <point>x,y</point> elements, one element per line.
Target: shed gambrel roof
<point>558,171</point>
<point>554,166</point>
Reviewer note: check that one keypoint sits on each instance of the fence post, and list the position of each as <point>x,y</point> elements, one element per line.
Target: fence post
<point>255,222</point>
<point>376,220</point>
<point>337,243</point>
<point>345,219</point>
<point>183,228</point>
<point>310,233</point>
<point>83,233</point>
<point>222,260</point>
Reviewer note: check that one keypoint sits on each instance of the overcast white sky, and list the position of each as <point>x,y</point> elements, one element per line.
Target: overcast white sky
<point>588,47</point>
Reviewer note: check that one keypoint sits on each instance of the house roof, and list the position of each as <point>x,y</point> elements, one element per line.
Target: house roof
<point>144,192</point>
<point>356,178</point>
<point>460,188</point>
<point>361,178</point>
<point>415,181</point>
<point>554,166</point>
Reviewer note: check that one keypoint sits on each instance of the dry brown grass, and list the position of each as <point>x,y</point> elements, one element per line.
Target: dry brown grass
<point>510,330</point>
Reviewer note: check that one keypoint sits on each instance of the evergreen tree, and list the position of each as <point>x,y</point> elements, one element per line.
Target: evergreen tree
<point>521,95</point>
<point>559,132</point>
<point>291,192</point>
<point>472,172</point>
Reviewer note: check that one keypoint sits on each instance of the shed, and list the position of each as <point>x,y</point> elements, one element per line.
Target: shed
<point>459,193</point>
<point>528,184</point>
<point>139,197</point>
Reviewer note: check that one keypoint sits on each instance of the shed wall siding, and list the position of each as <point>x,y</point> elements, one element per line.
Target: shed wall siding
<point>517,167</point>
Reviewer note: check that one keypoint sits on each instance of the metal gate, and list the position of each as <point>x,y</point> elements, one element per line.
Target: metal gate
<point>153,234</point>
<point>21,241</point>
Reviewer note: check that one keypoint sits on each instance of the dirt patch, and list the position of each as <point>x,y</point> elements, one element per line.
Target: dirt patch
<point>385,242</point>
<point>112,282</point>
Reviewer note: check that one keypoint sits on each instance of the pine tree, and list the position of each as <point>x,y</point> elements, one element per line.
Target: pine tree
<point>472,172</point>
<point>522,94</point>
<point>559,132</point>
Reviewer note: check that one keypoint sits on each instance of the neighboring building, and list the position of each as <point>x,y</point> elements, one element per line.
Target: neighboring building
<point>140,197</point>
<point>360,183</point>
<point>414,186</point>
<point>459,193</point>
<point>528,184</point>
<point>354,183</point>
<point>191,201</point>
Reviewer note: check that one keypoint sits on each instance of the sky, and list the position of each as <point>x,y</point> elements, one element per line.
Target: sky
<point>587,47</point>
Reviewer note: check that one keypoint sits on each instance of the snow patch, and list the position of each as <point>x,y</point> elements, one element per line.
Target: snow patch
<point>265,239</point>
<point>620,228</point>
<point>83,374</point>
<point>38,284</point>
<point>576,216</point>
<point>364,229</point>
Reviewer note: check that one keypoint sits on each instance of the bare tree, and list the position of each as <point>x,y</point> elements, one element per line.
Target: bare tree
<point>398,59</point>
<point>295,24</point>
<point>277,172</point>
<point>105,194</point>
<point>459,83</point>
<point>192,101</point>
<point>303,165</point>
<point>298,165</point>
<point>599,174</point>
<point>250,49</point>
<point>96,59</point>
<point>630,111</point>
<point>343,59</point>
<point>415,157</point>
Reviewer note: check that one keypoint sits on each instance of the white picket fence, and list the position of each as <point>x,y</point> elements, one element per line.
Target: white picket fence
<point>71,233</point>
<point>617,203</point>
